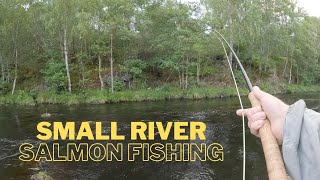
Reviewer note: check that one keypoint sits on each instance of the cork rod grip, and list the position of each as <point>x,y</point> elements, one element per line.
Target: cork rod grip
<point>275,166</point>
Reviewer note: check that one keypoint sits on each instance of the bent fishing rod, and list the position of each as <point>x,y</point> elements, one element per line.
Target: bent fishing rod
<point>274,161</point>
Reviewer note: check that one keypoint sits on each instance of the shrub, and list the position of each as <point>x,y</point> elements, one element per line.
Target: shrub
<point>134,67</point>
<point>54,75</point>
<point>118,85</point>
<point>4,87</point>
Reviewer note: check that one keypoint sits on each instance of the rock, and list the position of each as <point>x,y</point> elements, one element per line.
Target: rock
<point>41,176</point>
<point>46,115</point>
<point>35,169</point>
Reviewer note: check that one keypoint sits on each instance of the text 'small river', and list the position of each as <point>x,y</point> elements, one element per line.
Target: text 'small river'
<point>18,125</point>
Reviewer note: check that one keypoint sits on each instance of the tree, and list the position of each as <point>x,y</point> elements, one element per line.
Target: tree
<point>61,26</point>
<point>167,41</point>
<point>116,18</point>
<point>15,30</point>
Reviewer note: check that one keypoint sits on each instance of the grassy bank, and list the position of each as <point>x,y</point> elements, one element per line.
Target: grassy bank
<point>151,94</point>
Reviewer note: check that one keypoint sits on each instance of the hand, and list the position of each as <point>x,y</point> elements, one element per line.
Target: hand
<point>272,108</point>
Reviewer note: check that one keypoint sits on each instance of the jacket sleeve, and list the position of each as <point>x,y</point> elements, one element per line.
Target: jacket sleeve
<point>301,142</point>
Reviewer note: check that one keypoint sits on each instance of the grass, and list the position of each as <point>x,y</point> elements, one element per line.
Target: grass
<point>300,88</point>
<point>150,94</point>
<point>20,97</point>
<point>58,98</point>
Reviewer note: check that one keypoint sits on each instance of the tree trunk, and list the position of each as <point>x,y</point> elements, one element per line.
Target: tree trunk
<point>285,67</point>
<point>230,53</point>
<point>100,77</point>
<point>290,75</point>
<point>111,61</point>
<point>8,73</point>
<point>2,68</point>
<point>198,70</point>
<point>297,75</point>
<point>82,73</point>
<point>186,86</point>
<point>15,68</point>
<point>286,63</point>
<point>82,68</point>
<point>231,37</point>
<point>65,49</point>
<point>182,79</point>
<point>2,72</point>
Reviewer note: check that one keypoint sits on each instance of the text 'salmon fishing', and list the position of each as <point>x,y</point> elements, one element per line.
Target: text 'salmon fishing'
<point>139,147</point>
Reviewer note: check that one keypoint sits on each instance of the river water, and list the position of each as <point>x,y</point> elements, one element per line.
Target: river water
<point>18,125</point>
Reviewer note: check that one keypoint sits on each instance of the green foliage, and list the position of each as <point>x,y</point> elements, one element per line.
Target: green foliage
<point>52,97</point>
<point>42,175</point>
<point>310,74</point>
<point>118,85</point>
<point>239,77</point>
<point>207,70</point>
<point>54,75</point>
<point>163,92</point>
<point>156,42</point>
<point>140,84</point>
<point>294,88</point>
<point>134,67</point>
<point>167,63</point>
<point>19,97</point>
<point>4,87</point>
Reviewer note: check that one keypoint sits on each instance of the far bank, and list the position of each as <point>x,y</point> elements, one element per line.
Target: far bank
<point>21,97</point>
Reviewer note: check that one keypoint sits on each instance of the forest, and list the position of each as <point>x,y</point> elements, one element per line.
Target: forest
<point>97,51</point>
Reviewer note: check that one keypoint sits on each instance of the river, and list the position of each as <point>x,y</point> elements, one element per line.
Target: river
<point>18,125</point>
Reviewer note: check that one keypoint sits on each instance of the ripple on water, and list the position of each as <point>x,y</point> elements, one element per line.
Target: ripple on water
<point>223,127</point>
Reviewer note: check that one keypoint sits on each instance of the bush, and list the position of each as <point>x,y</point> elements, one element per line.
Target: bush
<point>139,84</point>
<point>4,87</point>
<point>310,75</point>
<point>19,97</point>
<point>118,85</point>
<point>54,75</point>
<point>134,67</point>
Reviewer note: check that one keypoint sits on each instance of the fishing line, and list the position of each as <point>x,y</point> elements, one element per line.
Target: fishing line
<point>240,100</point>
<point>239,63</point>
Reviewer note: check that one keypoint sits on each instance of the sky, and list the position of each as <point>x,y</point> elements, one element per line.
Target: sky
<point>312,7</point>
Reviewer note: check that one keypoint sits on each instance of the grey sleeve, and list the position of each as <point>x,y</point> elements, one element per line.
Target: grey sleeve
<point>301,142</point>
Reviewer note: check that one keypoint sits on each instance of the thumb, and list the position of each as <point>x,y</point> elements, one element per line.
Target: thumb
<point>258,93</point>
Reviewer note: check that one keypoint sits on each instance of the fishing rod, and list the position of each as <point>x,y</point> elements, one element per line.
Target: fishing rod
<point>275,165</point>
<point>244,73</point>
<point>241,105</point>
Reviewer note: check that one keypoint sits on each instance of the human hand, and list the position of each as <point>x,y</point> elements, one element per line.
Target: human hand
<point>272,108</point>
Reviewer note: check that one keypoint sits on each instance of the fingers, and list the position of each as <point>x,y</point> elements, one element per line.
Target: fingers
<point>241,112</point>
<point>256,121</point>
<point>255,126</point>
<point>249,111</point>
<point>256,118</point>
<point>256,133</point>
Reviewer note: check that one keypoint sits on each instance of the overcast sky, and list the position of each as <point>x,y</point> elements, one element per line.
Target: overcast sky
<point>312,7</point>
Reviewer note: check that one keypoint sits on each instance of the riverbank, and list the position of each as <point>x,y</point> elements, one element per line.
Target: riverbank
<point>150,94</point>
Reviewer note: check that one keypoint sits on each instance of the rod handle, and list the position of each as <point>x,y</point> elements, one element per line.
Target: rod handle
<point>275,165</point>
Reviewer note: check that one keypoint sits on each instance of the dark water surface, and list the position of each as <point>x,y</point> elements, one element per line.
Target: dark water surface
<point>18,125</point>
